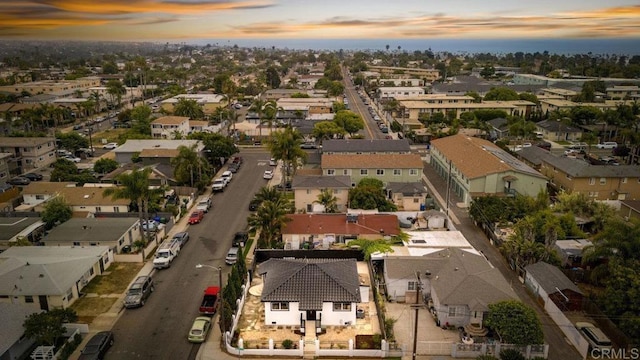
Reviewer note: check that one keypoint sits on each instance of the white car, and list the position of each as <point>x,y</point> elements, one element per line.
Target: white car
<point>227,175</point>
<point>110,146</point>
<point>204,205</point>
<point>219,184</point>
<point>268,174</point>
<point>273,162</point>
<point>72,158</point>
<point>607,145</point>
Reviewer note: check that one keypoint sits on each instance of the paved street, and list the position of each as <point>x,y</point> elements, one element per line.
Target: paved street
<point>159,329</point>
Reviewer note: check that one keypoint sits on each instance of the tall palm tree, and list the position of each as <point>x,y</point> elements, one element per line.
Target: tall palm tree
<point>258,107</point>
<point>189,108</point>
<point>328,200</point>
<point>133,186</point>
<point>269,221</point>
<point>116,89</point>
<point>285,146</point>
<point>268,193</point>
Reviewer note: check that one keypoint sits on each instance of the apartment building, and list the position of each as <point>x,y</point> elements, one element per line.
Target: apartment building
<point>383,93</point>
<point>29,153</point>
<point>53,87</point>
<point>169,127</point>
<point>429,75</point>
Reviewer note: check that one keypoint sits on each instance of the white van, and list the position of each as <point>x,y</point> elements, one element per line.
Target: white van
<point>596,338</point>
<point>166,254</point>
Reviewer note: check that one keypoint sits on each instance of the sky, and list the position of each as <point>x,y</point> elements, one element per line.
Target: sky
<point>184,20</point>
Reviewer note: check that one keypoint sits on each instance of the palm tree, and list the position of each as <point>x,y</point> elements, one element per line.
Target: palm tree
<point>618,240</point>
<point>189,108</point>
<point>133,186</point>
<point>189,167</point>
<point>328,200</point>
<point>115,89</point>
<point>258,106</point>
<point>269,221</point>
<point>233,117</point>
<point>268,193</point>
<point>285,146</point>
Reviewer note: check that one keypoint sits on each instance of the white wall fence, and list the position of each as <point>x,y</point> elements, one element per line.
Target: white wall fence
<point>566,326</point>
<point>138,257</point>
<point>475,350</point>
<point>314,349</point>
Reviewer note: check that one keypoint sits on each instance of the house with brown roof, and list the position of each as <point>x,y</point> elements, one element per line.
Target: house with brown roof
<point>598,182</point>
<point>169,127</point>
<point>477,167</point>
<point>321,230</point>
<point>38,192</point>
<point>153,151</point>
<point>90,200</point>
<point>384,167</point>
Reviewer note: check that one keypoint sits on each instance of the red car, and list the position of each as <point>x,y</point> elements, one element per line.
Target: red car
<point>196,217</point>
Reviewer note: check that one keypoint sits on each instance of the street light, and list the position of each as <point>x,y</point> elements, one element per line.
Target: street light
<point>222,319</point>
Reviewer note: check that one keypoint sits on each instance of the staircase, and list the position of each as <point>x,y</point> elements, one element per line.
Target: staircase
<point>476,330</point>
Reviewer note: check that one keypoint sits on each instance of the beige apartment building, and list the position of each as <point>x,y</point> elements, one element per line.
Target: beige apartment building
<point>53,87</point>
<point>429,75</point>
<point>167,127</point>
<point>29,153</point>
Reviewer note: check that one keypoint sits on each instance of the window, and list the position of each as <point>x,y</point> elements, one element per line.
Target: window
<point>416,200</point>
<point>603,181</point>
<point>364,172</point>
<point>76,243</point>
<point>453,311</point>
<point>98,209</point>
<point>341,306</point>
<point>346,172</point>
<point>413,172</point>
<point>39,197</point>
<point>280,306</point>
<point>116,209</point>
<point>397,172</point>
<point>28,299</point>
<point>308,191</point>
<point>411,286</point>
<point>380,172</point>
<point>331,172</point>
<point>592,181</point>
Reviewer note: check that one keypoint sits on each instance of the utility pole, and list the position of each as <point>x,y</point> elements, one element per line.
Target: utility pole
<point>415,322</point>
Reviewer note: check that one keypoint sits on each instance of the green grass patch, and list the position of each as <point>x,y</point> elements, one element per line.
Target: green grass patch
<point>111,135</point>
<point>247,246</point>
<point>564,143</point>
<point>116,282</point>
<point>88,308</point>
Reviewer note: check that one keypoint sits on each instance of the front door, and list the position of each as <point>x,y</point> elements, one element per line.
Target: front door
<point>311,314</point>
<point>44,303</point>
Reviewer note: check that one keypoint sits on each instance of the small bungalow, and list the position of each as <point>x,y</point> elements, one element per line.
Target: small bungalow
<point>115,233</point>
<point>547,282</point>
<point>408,196</point>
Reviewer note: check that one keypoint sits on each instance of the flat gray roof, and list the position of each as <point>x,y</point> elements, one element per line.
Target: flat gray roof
<point>12,226</point>
<point>95,229</point>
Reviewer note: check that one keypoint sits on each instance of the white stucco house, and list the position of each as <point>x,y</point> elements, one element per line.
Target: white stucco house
<point>323,290</point>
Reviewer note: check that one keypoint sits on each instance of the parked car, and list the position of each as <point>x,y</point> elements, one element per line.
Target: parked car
<point>232,256</point>
<point>32,176</point>
<point>209,303</point>
<point>19,180</point>
<point>597,339</point>
<point>268,174</point>
<point>199,329</point>
<point>182,237</point>
<point>152,225</point>
<point>607,145</point>
<point>196,217</point>
<point>72,158</point>
<point>110,146</point>
<point>218,184</point>
<point>273,162</point>
<point>579,146</point>
<point>227,175</point>
<point>240,239</point>
<point>233,167</point>
<point>97,346</point>
<point>139,292</point>
<point>308,145</point>
<point>167,252</point>
<point>204,205</point>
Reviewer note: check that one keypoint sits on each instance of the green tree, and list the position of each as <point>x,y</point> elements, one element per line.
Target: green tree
<point>269,221</point>
<point>370,247</point>
<point>216,146</point>
<point>272,77</point>
<point>501,94</point>
<point>369,194</point>
<point>190,168</point>
<point>620,299</point>
<point>619,241</point>
<point>326,130</point>
<point>56,211</point>
<point>47,327</point>
<point>189,108</point>
<point>115,90</point>
<point>105,166</point>
<point>63,170</point>
<point>349,121</point>
<point>515,322</point>
<point>268,193</point>
<point>72,141</point>
<point>133,186</point>
<point>285,146</point>
<point>328,200</point>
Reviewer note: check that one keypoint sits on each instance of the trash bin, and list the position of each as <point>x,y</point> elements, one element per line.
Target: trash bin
<point>423,207</point>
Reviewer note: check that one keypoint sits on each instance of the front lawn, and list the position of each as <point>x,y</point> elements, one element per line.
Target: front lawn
<point>118,277</point>
<point>88,308</point>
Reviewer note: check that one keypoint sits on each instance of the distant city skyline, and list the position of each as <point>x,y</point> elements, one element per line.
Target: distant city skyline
<point>193,20</point>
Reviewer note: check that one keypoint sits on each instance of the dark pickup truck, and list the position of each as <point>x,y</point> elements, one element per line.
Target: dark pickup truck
<point>209,303</point>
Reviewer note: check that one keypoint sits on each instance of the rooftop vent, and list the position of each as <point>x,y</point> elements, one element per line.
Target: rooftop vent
<point>352,218</point>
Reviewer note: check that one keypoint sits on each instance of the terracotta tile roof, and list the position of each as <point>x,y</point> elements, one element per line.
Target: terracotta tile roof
<point>337,224</point>
<point>89,196</point>
<point>162,153</point>
<point>371,161</point>
<point>170,120</point>
<point>476,157</point>
<point>45,187</point>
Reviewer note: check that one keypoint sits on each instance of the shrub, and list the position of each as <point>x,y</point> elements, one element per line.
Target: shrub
<point>511,354</point>
<point>287,344</point>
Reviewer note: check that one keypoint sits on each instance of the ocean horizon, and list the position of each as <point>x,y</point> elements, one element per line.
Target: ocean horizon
<point>625,46</point>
